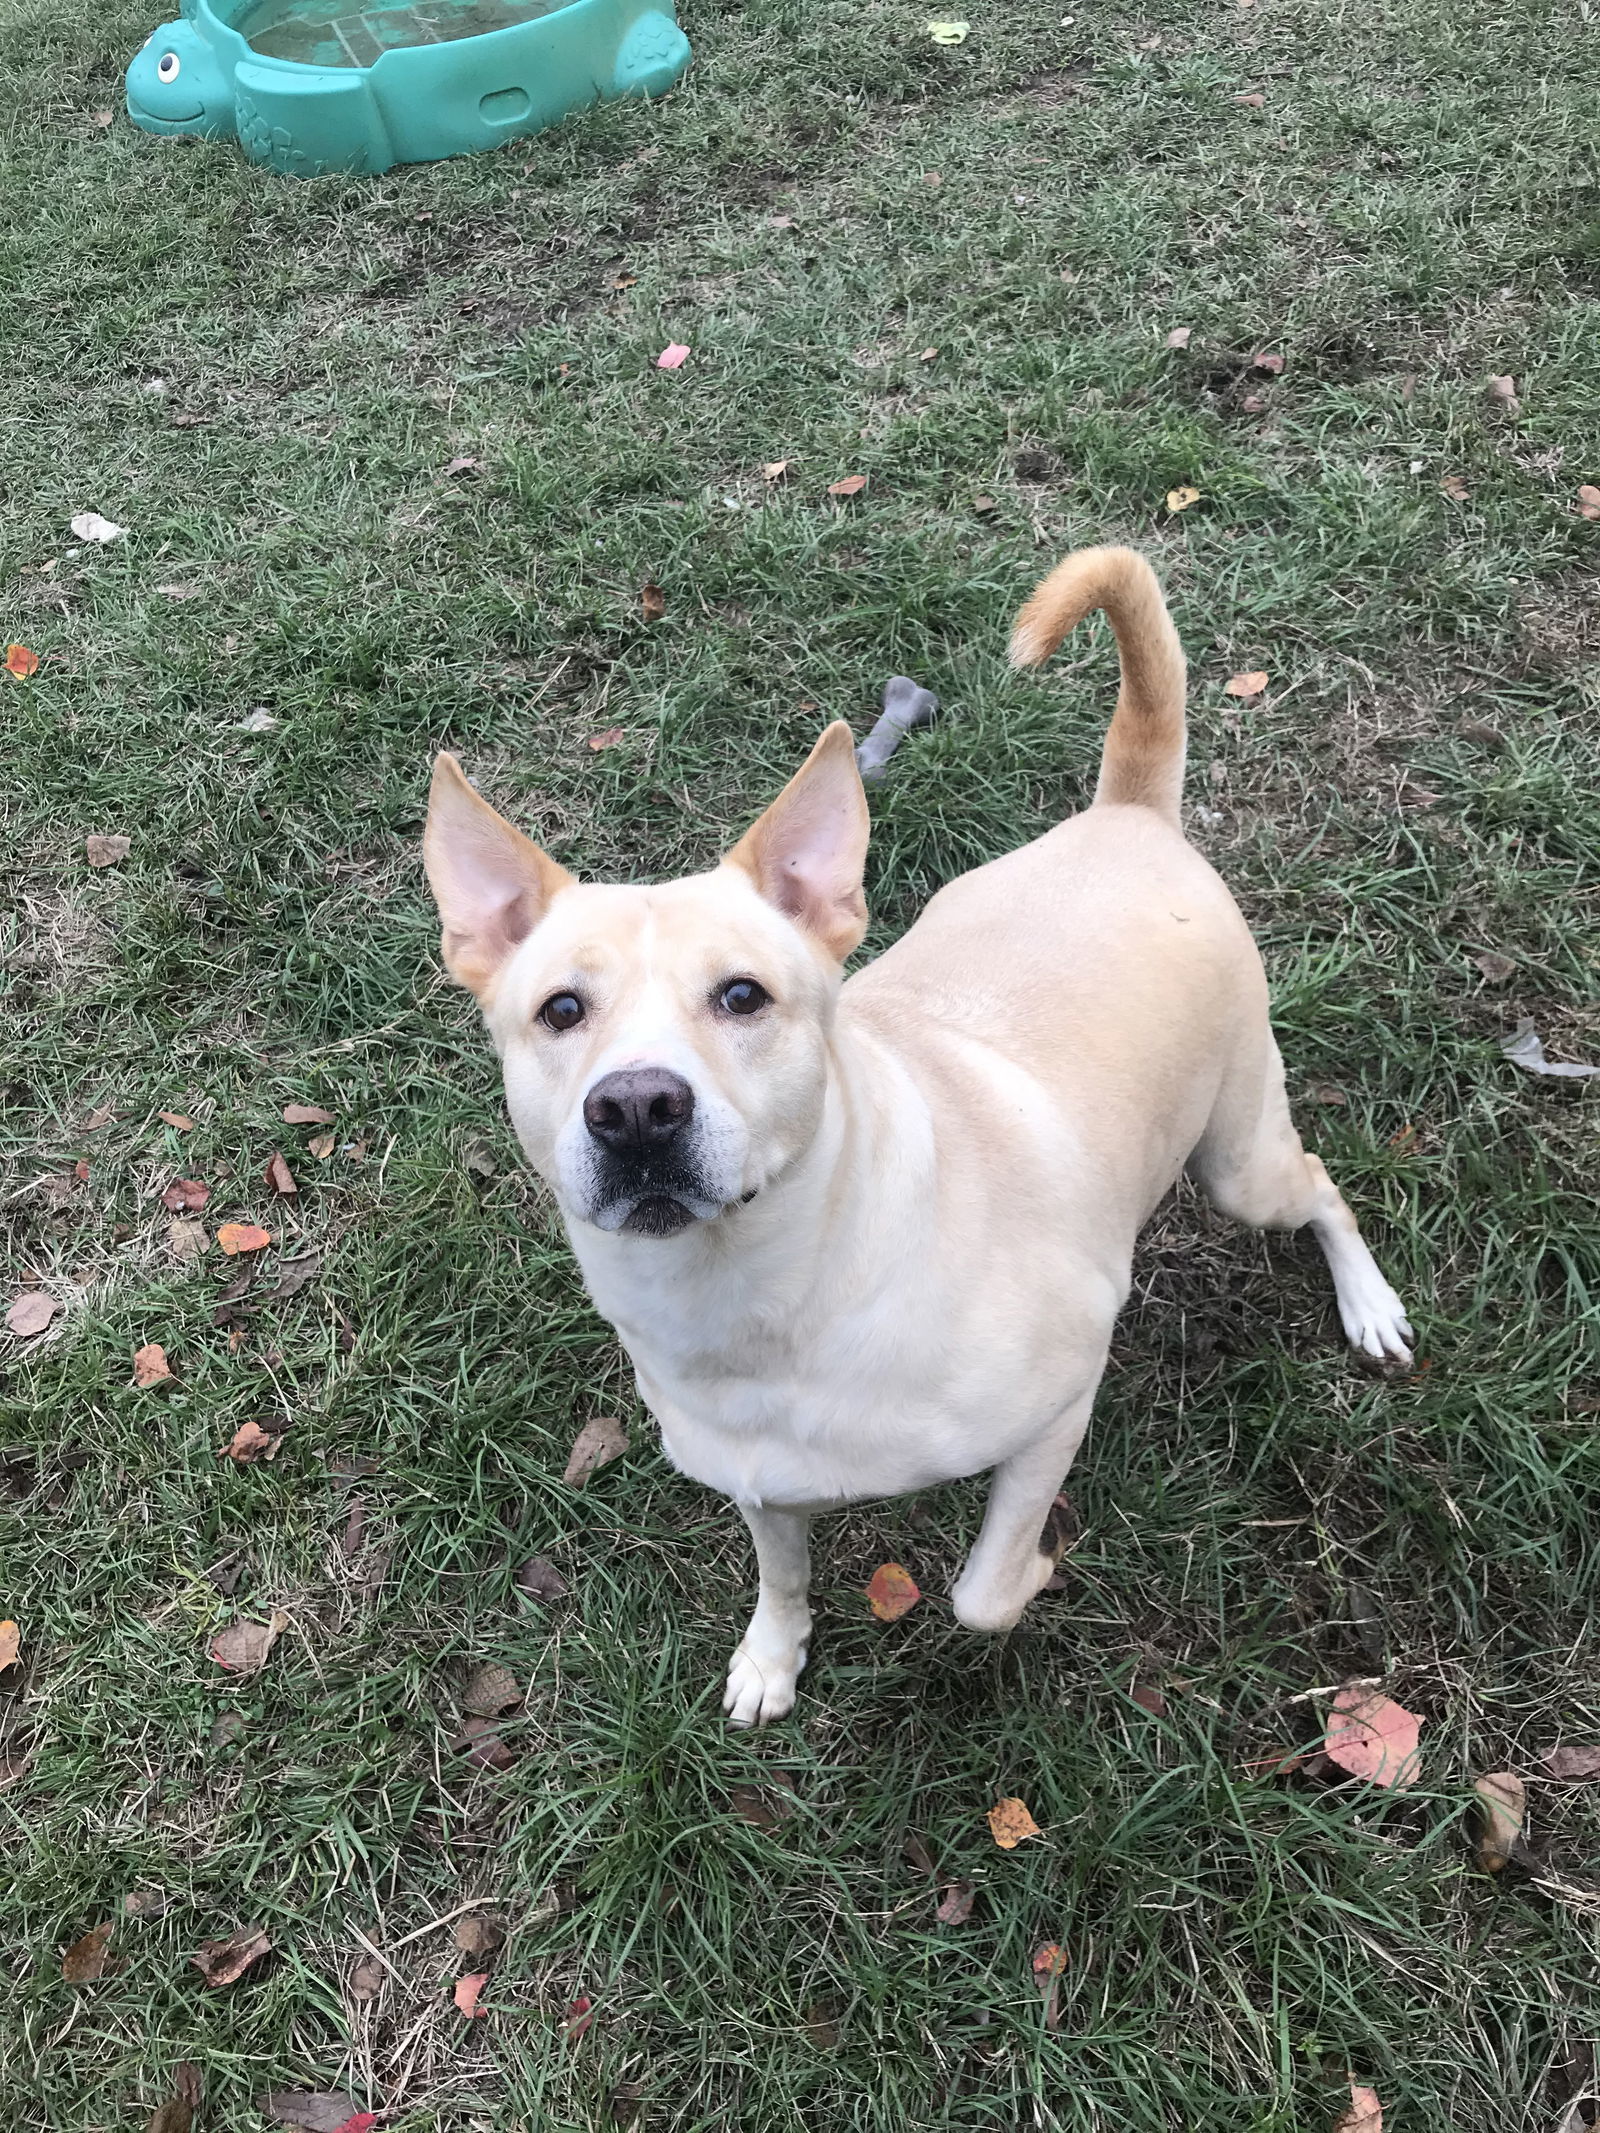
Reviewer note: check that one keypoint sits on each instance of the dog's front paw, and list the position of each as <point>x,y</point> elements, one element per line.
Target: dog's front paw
<point>1375,1319</point>
<point>761,1689</point>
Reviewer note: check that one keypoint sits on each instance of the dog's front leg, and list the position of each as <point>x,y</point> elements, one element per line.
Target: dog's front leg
<point>1020,1545</point>
<point>763,1671</point>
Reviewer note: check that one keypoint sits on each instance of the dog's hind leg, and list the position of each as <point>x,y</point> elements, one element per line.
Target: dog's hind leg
<point>1021,1540</point>
<point>1251,1164</point>
<point>763,1671</point>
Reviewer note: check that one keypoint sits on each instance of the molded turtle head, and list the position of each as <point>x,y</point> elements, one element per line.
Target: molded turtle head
<point>175,84</point>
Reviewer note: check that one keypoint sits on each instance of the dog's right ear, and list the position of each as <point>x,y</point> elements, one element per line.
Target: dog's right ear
<point>492,884</point>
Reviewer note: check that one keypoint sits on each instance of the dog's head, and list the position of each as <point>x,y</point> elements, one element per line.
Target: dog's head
<point>665,1049</point>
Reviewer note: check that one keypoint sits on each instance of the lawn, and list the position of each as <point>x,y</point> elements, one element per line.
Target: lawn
<point>955,272</point>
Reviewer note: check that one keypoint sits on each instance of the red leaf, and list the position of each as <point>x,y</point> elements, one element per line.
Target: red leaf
<point>1049,1959</point>
<point>580,2013</point>
<point>608,739</point>
<point>186,1195</point>
<point>673,356</point>
<point>280,1177</point>
<point>1372,1737</point>
<point>150,1365</point>
<point>21,662</point>
<point>893,1592</point>
<point>235,1237</point>
<point>955,1907</point>
<point>467,1991</point>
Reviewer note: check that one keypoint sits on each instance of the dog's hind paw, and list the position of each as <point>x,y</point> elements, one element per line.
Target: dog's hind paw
<point>760,1690</point>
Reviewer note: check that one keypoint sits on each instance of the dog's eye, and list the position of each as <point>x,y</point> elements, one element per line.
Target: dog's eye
<point>563,1010</point>
<point>744,996</point>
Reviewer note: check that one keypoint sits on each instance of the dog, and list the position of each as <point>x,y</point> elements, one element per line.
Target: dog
<point>863,1236</point>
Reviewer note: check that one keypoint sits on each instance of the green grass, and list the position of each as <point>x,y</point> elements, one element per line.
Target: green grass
<point>1416,207</point>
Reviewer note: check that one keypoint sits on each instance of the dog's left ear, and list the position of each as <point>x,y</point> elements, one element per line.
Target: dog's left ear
<point>807,853</point>
<point>492,884</point>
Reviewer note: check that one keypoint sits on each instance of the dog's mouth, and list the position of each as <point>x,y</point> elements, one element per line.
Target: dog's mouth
<point>657,1215</point>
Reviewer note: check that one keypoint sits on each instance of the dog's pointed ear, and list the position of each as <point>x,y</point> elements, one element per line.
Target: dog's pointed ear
<point>492,884</point>
<point>808,852</point>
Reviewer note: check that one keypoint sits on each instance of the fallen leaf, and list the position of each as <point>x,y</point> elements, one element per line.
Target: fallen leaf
<point>673,356</point>
<point>1372,1737</point>
<point>607,739</point>
<point>31,1313</point>
<point>1410,794</point>
<point>948,33</point>
<point>99,532</point>
<point>822,2024</point>
<point>984,505</point>
<point>186,1196</point>
<point>20,662</point>
<point>762,1810</point>
<point>243,1646</point>
<point>260,720</point>
<point>596,1445</point>
<point>176,1120</point>
<point>179,592</point>
<point>463,463</point>
<point>1325,1092</point>
<point>1181,499</point>
<point>1049,1963</point>
<point>102,119</point>
<point>929,355</point>
<point>1365,2114</point>
<point>955,1906</point>
<point>188,1240</point>
<point>1589,501</point>
<point>1524,1048</point>
<point>1502,1809</point>
<point>848,485</point>
<point>1455,487</point>
<point>280,1177</point>
<point>491,1690</point>
<point>539,1578</point>
<point>479,1934</point>
<point>1253,98</point>
<point>293,1274</point>
<point>307,1115</point>
<point>467,1991</point>
<point>235,1237</point>
<point>1496,968</point>
<point>106,851</point>
<point>10,1645</point>
<point>366,1978</point>
<point>1563,1762</point>
<point>224,1962</point>
<point>86,1960</point>
<point>1149,1698</point>
<point>892,1592</point>
<point>251,1442</point>
<point>480,1739</point>
<point>176,2115</point>
<point>775,470</point>
<point>150,1365</point>
<point>323,1146</point>
<point>652,602</point>
<point>578,2017</point>
<point>1503,393</point>
<point>1179,336</point>
<point>1245,685</point>
<point>1252,404</point>
<point>318,2111</point>
<point>146,1903</point>
<point>1009,1822</point>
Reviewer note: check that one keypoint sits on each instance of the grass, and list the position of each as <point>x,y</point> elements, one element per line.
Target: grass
<point>1413,208</point>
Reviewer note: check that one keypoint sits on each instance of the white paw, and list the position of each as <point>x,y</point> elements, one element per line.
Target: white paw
<point>760,1690</point>
<point>1375,1319</point>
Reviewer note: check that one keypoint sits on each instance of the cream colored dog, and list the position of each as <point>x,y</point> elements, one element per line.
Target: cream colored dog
<point>858,1239</point>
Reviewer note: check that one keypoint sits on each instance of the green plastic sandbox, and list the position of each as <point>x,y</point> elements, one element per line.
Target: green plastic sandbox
<point>320,85</point>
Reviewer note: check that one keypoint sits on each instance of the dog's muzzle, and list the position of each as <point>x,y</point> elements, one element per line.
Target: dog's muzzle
<point>646,1179</point>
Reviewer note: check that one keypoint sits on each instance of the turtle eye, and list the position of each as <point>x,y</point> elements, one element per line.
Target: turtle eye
<point>168,67</point>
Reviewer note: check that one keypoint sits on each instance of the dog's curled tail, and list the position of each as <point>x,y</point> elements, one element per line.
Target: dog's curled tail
<point>1142,763</point>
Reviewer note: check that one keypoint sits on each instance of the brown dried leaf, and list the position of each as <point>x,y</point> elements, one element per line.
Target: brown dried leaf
<point>87,1959</point>
<point>1373,1737</point>
<point>188,1240</point>
<point>596,1445</point>
<point>223,1962</point>
<point>955,1906</point>
<point>1181,499</point>
<point>176,1120</point>
<point>1580,1763</point>
<point>1253,98</point>
<point>652,601</point>
<point>243,1647</point>
<point>106,851</point>
<point>1502,1809</point>
<point>185,1196</point>
<point>892,1592</point>
<point>366,1978</point>
<point>150,1365</point>
<point>1365,2114</point>
<point>490,1691</point>
<point>848,485</point>
<point>774,470</point>
<point>176,2115</point>
<point>323,1146</point>
<point>317,2111</point>
<point>31,1313</point>
<point>480,1739</point>
<point>1179,336</point>
<point>307,1115</point>
<point>1245,686</point>
<point>279,1176</point>
<point>1009,1822</point>
<point>10,1644</point>
<point>250,1442</point>
<point>1589,501</point>
<point>607,739</point>
<point>1455,487</point>
<point>1502,392</point>
<point>1149,1698</point>
<point>1496,968</point>
<point>916,1853</point>
<point>540,1579</point>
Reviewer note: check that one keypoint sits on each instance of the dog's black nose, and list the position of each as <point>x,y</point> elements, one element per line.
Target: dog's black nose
<point>638,1109</point>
